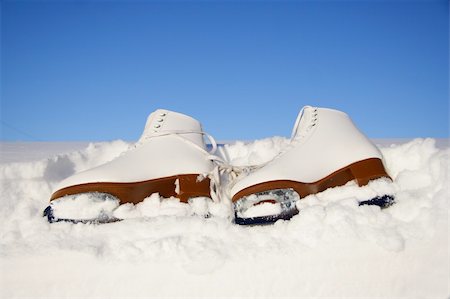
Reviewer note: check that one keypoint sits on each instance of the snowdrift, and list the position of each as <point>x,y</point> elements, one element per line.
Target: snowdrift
<point>333,248</point>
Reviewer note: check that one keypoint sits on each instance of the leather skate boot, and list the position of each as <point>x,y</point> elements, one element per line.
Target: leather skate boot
<point>326,150</point>
<point>170,158</point>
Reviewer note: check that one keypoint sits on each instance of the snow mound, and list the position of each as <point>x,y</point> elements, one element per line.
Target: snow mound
<point>164,248</point>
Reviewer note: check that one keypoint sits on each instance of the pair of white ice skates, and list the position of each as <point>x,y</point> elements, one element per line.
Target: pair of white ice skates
<point>326,150</point>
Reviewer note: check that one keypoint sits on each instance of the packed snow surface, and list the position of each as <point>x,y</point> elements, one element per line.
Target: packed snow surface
<point>332,248</point>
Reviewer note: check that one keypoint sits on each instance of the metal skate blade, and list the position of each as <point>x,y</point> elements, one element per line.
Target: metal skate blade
<point>266,207</point>
<point>383,202</point>
<point>83,208</point>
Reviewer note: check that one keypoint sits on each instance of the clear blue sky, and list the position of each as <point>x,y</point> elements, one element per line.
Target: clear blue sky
<point>94,70</point>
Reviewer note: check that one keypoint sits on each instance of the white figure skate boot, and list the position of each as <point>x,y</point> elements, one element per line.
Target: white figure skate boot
<point>326,150</point>
<point>170,158</point>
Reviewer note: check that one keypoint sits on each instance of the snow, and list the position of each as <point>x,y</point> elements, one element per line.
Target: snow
<point>156,206</point>
<point>333,248</point>
<point>262,209</point>
<point>87,206</point>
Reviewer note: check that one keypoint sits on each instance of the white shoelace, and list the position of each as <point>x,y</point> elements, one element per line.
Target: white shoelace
<point>221,168</point>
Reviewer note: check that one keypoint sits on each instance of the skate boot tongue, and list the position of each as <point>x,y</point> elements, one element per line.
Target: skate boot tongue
<point>305,120</point>
<point>165,121</point>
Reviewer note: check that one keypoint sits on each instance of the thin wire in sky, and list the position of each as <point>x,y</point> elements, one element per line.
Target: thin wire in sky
<point>5,124</point>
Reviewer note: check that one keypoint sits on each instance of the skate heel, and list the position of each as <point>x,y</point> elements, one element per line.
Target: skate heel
<point>368,169</point>
<point>189,186</point>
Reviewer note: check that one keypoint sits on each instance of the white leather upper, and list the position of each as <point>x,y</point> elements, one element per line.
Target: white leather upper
<point>324,140</point>
<point>155,155</point>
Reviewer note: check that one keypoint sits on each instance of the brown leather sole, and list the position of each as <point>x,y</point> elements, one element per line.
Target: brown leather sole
<point>361,171</point>
<point>138,191</point>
